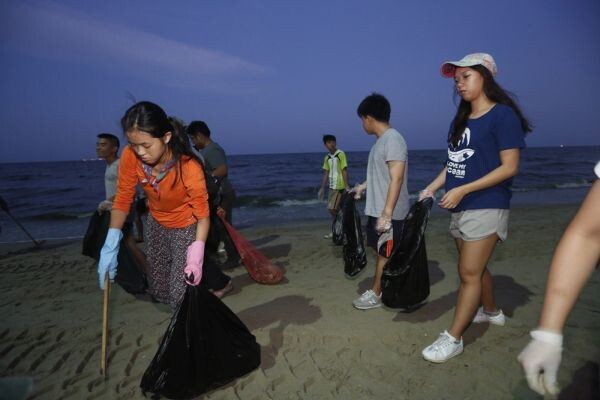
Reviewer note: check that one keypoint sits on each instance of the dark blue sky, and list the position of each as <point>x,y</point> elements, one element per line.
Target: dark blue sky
<point>274,76</point>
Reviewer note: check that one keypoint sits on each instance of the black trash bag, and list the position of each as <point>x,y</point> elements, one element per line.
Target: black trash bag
<point>205,346</point>
<point>129,275</point>
<point>337,228</point>
<point>94,237</point>
<point>405,280</point>
<point>355,255</point>
<point>213,239</point>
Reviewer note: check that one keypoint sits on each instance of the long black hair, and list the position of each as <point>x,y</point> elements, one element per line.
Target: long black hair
<point>495,93</point>
<point>148,117</point>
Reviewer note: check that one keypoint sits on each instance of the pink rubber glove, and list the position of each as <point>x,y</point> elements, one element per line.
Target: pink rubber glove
<point>193,265</point>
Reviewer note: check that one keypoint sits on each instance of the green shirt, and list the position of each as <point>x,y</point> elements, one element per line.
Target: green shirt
<point>335,163</point>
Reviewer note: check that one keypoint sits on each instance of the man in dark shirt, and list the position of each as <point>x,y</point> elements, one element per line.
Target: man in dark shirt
<point>215,162</point>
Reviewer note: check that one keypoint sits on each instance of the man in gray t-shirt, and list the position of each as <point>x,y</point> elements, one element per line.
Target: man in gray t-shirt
<point>215,162</point>
<point>390,147</point>
<point>387,195</point>
<point>107,148</point>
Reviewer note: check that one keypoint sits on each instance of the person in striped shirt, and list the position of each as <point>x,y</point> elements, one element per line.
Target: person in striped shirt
<point>335,170</point>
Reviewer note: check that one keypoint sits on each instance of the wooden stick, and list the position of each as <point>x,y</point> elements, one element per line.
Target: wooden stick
<point>105,325</point>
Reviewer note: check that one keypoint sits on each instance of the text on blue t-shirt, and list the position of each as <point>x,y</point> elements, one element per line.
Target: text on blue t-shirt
<point>478,153</point>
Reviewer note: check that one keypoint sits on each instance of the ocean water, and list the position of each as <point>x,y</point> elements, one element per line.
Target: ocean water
<point>56,199</point>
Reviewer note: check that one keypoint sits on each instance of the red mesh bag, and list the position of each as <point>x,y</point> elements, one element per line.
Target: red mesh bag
<point>259,267</point>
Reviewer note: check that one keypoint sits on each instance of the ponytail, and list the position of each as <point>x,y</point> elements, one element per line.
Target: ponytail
<point>180,145</point>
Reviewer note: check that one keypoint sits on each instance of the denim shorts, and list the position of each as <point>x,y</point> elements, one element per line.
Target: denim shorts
<point>473,225</point>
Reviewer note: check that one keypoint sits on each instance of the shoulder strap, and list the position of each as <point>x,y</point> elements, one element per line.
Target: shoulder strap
<point>336,154</point>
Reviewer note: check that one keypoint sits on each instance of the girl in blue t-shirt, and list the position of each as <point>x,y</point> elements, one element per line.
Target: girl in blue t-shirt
<point>484,144</point>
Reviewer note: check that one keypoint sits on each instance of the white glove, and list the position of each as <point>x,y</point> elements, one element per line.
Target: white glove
<point>384,223</point>
<point>540,360</point>
<point>321,193</point>
<point>425,193</point>
<point>358,190</point>
<point>105,205</point>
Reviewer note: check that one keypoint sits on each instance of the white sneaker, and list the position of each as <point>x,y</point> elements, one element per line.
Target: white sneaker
<point>443,349</point>
<point>482,316</point>
<point>367,300</point>
<point>328,236</point>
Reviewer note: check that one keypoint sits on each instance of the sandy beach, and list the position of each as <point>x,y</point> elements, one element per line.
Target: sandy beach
<point>315,345</point>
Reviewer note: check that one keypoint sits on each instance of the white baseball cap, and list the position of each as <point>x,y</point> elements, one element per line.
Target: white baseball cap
<point>469,60</point>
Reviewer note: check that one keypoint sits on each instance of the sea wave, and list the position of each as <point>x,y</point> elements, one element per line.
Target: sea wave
<point>572,185</point>
<point>302,201</point>
<point>553,186</point>
<point>293,203</point>
<point>20,178</point>
<point>60,215</point>
<point>256,201</point>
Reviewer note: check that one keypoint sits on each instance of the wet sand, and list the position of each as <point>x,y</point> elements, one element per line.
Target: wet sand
<point>315,345</point>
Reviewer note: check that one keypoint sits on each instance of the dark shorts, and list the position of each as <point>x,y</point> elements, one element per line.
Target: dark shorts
<point>386,248</point>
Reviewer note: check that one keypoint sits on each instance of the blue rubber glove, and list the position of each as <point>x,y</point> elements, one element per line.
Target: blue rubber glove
<point>108,255</point>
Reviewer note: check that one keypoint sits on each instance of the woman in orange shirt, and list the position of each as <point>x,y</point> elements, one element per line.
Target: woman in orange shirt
<point>159,158</point>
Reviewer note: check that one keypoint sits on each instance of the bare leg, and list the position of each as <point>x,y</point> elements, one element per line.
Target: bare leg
<point>336,205</point>
<point>381,260</point>
<point>473,259</point>
<point>488,298</point>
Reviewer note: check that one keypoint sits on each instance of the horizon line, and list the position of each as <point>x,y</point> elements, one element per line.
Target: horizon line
<point>298,152</point>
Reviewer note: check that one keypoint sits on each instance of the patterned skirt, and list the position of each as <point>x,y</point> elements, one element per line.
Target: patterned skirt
<point>167,253</point>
